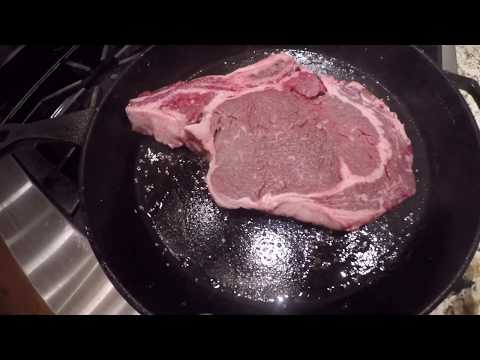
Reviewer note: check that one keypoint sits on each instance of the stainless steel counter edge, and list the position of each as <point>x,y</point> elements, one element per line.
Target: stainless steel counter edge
<point>55,256</point>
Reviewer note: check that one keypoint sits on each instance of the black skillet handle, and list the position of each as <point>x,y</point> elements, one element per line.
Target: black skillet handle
<point>473,88</point>
<point>70,128</point>
<point>469,85</point>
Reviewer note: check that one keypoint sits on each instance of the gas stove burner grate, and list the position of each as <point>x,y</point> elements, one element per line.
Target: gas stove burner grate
<point>66,79</point>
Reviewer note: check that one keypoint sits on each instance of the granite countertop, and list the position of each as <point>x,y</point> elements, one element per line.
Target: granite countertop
<point>468,300</point>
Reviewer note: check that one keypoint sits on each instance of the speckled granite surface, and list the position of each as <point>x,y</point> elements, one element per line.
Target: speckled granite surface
<point>468,57</point>
<point>468,301</point>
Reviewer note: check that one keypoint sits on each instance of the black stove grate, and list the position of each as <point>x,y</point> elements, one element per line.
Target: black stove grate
<point>41,82</point>
<point>49,81</point>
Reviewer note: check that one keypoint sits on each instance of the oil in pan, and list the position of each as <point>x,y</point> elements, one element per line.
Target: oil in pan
<point>255,256</point>
<point>251,255</point>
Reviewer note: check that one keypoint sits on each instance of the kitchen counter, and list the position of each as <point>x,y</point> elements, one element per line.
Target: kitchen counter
<point>468,300</point>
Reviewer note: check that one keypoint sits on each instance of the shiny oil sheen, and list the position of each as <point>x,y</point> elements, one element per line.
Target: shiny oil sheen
<point>255,256</point>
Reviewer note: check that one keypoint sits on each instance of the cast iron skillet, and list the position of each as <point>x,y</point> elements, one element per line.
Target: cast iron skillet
<point>169,249</point>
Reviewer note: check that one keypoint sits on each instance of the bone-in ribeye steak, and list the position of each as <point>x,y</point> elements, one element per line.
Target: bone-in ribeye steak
<point>283,140</point>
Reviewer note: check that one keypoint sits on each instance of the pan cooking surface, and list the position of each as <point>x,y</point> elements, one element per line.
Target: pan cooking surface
<point>252,256</point>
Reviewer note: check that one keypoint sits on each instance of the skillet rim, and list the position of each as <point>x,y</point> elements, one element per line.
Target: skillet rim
<point>428,308</point>
<point>476,240</point>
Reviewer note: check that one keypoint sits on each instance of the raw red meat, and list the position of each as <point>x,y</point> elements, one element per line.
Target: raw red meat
<point>283,140</point>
